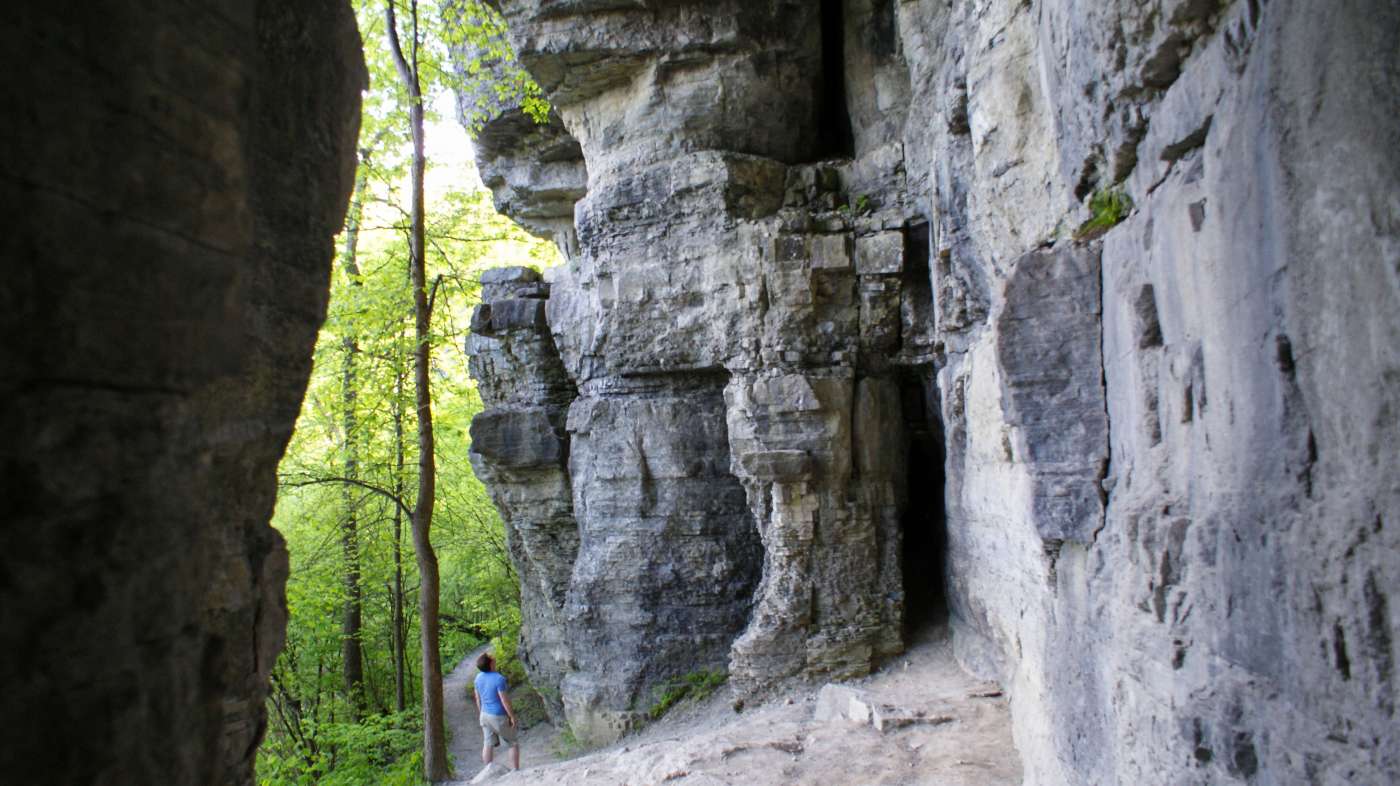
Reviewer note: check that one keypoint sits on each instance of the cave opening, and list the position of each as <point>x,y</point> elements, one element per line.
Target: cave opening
<point>923,522</point>
<point>835,139</point>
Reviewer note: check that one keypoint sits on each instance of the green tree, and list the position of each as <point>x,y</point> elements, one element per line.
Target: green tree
<point>347,705</point>
<point>435,764</point>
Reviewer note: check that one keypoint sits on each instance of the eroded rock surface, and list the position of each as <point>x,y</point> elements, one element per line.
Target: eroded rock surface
<point>848,231</point>
<point>172,176</point>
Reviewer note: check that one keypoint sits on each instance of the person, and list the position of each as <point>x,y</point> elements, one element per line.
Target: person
<point>497,716</point>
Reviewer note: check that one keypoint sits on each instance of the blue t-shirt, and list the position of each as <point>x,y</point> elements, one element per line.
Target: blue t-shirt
<point>489,686</point>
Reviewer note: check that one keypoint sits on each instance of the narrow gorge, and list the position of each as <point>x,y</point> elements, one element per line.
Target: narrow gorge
<point>1070,325</point>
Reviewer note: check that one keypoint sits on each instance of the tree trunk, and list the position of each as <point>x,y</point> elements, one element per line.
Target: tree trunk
<point>352,619</point>
<point>435,764</point>
<point>400,702</point>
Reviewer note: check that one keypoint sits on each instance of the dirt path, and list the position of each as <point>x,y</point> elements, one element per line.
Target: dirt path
<point>464,730</point>
<point>920,721</point>
<point>459,713</point>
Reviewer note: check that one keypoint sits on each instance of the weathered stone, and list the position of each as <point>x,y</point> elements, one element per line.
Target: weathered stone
<point>481,320</point>
<point>519,450</point>
<point>880,253</point>
<point>831,252</point>
<point>668,555</point>
<point>517,439</point>
<point>509,275</point>
<point>852,705</point>
<point>1166,520</point>
<point>505,283</point>
<point>517,314</point>
<point>1050,359</point>
<point>172,176</point>
<point>777,465</point>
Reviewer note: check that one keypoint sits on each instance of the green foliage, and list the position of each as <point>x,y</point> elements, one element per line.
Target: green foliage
<point>859,206</point>
<point>486,70</point>
<point>462,49</point>
<point>1107,207</point>
<point>317,733</point>
<point>696,686</point>
<point>568,745</point>
<point>382,749</point>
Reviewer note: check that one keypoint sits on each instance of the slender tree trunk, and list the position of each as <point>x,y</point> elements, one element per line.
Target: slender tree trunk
<point>400,701</point>
<point>352,654</point>
<point>435,764</point>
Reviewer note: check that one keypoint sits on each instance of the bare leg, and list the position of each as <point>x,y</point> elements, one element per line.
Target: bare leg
<point>486,753</point>
<point>515,756</point>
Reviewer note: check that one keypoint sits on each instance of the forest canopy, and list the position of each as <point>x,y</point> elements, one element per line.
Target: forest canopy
<point>347,692</point>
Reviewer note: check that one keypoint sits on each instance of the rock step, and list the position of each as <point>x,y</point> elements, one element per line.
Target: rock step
<point>844,703</point>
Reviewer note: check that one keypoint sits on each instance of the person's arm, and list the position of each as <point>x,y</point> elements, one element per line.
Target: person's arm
<point>505,702</point>
<point>476,696</point>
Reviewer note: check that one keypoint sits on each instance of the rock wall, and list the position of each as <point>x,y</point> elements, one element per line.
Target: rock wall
<point>172,175</point>
<point>1150,463</point>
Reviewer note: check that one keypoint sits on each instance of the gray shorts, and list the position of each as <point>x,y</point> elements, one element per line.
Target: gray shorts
<point>495,728</point>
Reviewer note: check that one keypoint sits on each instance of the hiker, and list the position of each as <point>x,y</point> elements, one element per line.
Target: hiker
<point>497,717</point>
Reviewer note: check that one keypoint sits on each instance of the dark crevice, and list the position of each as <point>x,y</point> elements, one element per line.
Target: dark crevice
<point>1379,647</point>
<point>882,34</point>
<point>916,299</point>
<point>1340,658</point>
<point>834,136</point>
<point>1186,144</point>
<point>923,522</point>
<point>1149,327</point>
<point>917,251</point>
<point>1088,179</point>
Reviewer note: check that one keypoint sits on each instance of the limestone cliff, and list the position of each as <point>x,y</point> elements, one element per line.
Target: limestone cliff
<point>830,344</point>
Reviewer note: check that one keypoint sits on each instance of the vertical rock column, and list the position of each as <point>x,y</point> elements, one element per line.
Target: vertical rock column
<point>520,451</point>
<point>668,556</point>
<point>736,320</point>
<point>645,319</point>
<point>817,439</point>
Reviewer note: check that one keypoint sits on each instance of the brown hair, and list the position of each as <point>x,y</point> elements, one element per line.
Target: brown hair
<point>484,663</point>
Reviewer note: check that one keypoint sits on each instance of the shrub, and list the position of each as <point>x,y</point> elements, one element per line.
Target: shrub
<point>1107,208</point>
<point>697,686</point>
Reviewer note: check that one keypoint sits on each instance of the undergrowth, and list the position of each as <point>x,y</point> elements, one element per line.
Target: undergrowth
<point>568,745</point>
<point>1107,208</point>
<point>697,685</point>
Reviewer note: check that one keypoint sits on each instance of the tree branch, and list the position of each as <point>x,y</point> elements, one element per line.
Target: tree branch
<point>432,296</point>
<point>321,481</point>
<point>410,79</point>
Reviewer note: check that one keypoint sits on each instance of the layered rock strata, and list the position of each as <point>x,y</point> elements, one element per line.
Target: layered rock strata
<point>172,176</point>
<point>1156,453</point>
<point>741,343</point>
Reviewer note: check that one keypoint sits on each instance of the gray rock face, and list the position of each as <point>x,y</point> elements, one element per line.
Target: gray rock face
<point>1152,470</point>
<point>535,172</point>
<point>668,557</point>
<point>172,176</point>
<point>1048,348</point>
<point>520,450</point>
<point>736,461</point>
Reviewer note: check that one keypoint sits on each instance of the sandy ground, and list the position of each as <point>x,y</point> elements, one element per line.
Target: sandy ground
<point>948,730</point>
